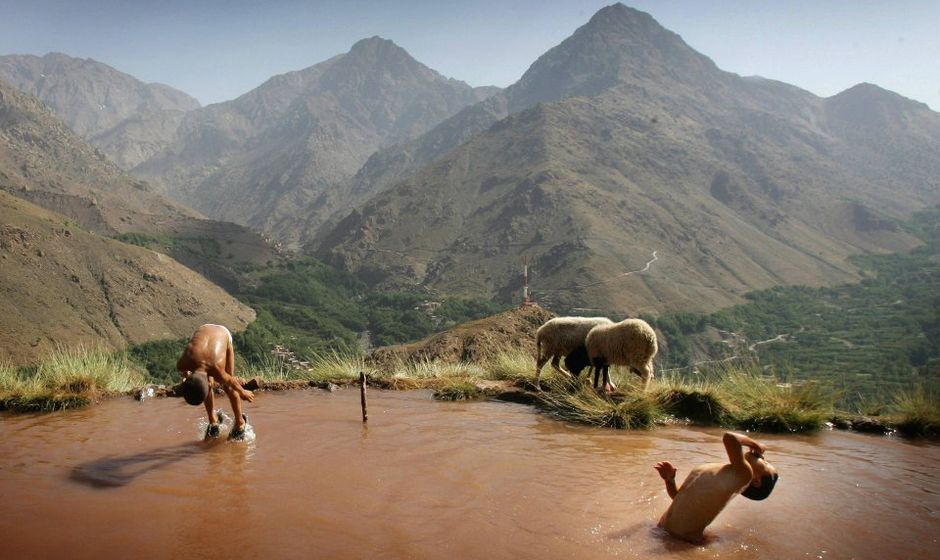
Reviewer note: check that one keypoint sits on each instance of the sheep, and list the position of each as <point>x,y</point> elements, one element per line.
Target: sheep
<point>631,343</point>
<point>560,337</point>
<point>577,360</point>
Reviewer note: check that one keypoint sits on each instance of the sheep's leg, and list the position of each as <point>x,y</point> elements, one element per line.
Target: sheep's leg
<point>608,386</point>
<point>539,363</point>
<point>556,363</point>
<point>647,375</point>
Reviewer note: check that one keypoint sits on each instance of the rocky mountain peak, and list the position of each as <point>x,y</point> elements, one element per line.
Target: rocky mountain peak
<point>374,63</point>
<point>376,48</point>
<point>876,109</point>
<point>618,45</point>
<point>871,96</point>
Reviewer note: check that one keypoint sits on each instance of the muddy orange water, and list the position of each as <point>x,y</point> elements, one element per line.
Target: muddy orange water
<point>432,480</point>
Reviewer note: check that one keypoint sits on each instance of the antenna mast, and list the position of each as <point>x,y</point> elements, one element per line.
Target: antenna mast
<point>525,281</point>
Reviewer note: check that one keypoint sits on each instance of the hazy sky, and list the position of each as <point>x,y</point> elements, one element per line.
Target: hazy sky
<point>218,49</point>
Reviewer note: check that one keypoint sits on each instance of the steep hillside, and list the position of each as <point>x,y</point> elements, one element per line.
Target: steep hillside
<point>62,285</point>
<point>43,161</point>
<point>264,159</point>
<point>126,119</point>
<point>645,179</point>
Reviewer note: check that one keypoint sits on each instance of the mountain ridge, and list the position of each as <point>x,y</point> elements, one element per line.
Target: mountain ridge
<point>735,183</point>
<point>125,118</point>
<point>282,145</point>
<point>46,163</point>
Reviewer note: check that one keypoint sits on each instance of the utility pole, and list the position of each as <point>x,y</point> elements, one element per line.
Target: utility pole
<point>525,280</point>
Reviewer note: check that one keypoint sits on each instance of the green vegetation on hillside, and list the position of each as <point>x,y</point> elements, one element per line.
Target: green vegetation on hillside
<point>880,335</point>
<point>312,310</point>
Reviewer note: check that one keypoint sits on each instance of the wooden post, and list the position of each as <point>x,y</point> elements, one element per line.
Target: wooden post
<point>362,393</point>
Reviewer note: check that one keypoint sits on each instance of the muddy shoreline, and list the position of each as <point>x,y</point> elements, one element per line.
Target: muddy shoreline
<point>494,390</point>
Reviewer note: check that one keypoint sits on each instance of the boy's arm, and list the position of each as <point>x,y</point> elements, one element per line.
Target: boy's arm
<point>734,446</point>
<point>668,473</point>
<point>231,382</point>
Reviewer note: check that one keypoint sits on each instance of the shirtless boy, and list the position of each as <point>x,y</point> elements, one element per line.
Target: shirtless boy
<point>709,487</point>
<point>209,358</point>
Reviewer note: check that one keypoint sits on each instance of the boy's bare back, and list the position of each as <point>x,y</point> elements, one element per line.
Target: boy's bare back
<point>704,493</point>
<point>708,488</point>
<point>209,350</point>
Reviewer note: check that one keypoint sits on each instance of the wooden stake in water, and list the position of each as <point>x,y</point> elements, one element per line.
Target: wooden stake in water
<point>362,393</point>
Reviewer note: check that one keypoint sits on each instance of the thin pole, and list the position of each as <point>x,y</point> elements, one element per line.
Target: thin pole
<point>525,280</point>
<point>362,394</point>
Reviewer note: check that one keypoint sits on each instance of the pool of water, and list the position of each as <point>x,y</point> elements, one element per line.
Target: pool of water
<point>427,479</point>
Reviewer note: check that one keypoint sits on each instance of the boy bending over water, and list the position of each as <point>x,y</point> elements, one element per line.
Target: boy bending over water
<point>209,358</point>
<point>709,487</point>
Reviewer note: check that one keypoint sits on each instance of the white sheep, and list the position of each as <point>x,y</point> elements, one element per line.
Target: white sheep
<point>631,343</point>
<point>559,337</point>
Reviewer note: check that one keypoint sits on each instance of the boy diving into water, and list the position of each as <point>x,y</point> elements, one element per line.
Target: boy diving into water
<point>209,358</point>
<point>709,487</point>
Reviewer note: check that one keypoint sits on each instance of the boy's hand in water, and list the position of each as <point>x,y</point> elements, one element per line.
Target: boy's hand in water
<point>247,395</point>
<point>666,471</point>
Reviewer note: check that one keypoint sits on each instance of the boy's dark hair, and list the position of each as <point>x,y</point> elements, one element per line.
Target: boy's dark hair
<point>195,388</point>
<point>766,487</point>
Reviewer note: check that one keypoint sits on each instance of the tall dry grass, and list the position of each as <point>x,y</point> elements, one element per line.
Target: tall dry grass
<point>763,403</point>
<point>574,400</point>
<point>696,400</point>
<point>69,377</point>
<point>917,411</point>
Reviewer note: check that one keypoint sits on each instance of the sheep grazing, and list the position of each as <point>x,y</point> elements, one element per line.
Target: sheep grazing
<point>631,343</point>
<point>577,360</point>
<point>560,337</point>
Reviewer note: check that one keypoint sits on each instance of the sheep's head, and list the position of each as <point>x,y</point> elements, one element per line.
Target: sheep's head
<point>577,360</point>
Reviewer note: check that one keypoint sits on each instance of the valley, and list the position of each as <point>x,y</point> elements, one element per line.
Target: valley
<point>367,201</point>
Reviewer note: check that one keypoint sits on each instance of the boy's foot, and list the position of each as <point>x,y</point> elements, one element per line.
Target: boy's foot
<point>238,432</point>
<point>213,431</point>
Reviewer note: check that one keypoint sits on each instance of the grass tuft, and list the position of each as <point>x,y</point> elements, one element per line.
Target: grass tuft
<point>573,401</point>
<point>757,402</point>
<point>334,367</point>
<point>69,378</point>
<point>459,390</point>
<point>517,367</point>
<point>697,401</point>
<point>917,412</point>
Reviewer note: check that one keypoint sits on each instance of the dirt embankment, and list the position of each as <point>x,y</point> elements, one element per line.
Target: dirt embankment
<point>475,342</point>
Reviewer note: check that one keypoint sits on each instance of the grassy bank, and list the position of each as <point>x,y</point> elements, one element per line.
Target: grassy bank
<point>69,378</point>
<point>735,396</point>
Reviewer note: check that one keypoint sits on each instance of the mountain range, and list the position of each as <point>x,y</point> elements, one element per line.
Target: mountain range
<point>630,172</point>
<point>260,159</point>
<point>637,176</point>
<point>126,119</point>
